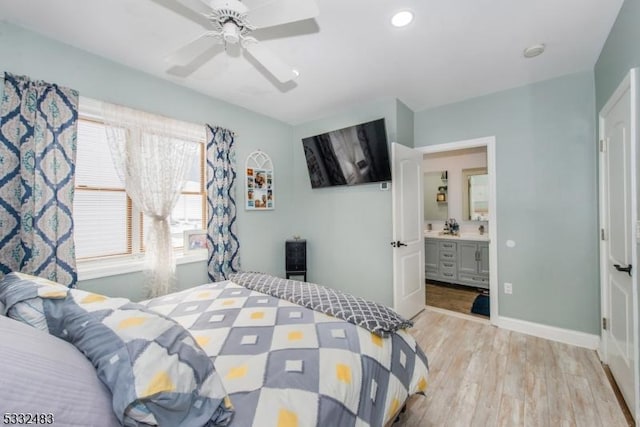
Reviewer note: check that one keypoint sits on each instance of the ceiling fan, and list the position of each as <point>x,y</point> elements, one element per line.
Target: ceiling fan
<point>231,22</point>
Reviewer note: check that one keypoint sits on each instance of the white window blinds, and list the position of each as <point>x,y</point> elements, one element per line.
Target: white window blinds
<point>100,203</point>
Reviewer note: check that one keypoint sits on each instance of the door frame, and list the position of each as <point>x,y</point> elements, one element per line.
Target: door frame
<point>490,143</point>
<point>629,83</point>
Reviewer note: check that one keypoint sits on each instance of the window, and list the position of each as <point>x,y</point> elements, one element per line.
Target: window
<point>106,222</point>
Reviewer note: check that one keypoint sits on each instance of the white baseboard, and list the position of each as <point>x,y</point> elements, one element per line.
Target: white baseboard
<point>566,336</point>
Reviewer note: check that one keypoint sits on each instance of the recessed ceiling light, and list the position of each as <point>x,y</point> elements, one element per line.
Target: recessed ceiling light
<point>533,51</point>
<point>402,18</point>
<point>296,72</point>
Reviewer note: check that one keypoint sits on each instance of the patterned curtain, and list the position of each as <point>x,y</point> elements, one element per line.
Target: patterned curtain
<point>38,129</point>
<point>224,256</point>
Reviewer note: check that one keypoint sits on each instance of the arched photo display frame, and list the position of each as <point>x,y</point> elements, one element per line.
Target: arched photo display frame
<point>259,194</point>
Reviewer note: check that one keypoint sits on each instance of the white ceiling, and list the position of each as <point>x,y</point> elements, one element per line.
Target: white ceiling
<point>454,49</point>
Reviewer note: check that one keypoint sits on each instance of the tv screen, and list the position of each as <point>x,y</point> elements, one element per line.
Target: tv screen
<point>353,155</point>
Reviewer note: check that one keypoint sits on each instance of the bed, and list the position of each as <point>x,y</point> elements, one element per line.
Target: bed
<point>273,360</point>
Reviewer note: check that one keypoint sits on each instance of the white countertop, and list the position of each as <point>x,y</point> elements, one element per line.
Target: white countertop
<point>462,236</point>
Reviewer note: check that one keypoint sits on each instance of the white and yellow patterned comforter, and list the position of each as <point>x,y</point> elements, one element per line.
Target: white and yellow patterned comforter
<point>284,365</point>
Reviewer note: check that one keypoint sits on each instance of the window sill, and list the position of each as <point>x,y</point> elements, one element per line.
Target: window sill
<point>98,268</point>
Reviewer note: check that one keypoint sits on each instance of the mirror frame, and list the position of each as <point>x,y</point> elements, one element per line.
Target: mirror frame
<point>466,173</point>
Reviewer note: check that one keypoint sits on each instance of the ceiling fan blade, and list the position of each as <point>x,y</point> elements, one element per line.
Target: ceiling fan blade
<point>196,5</point>
<point>270,62</point>
<point>276,12</point>
<point>193,49</point>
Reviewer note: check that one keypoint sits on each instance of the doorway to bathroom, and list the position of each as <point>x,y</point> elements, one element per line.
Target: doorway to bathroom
<point>460,227</point>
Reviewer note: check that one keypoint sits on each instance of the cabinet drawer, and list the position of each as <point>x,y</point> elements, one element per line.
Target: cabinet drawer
<point>448,275</point>
<point>430,269</point>
<point>447,255</point>
<point>448,272</point>
<point>448,264</point>
<point>480,281</point>
<point>450,246</point>
<point>433,275</point>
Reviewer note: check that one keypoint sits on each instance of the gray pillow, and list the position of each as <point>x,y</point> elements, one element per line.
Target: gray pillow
<point>42,374</point>
<point>374,317</point>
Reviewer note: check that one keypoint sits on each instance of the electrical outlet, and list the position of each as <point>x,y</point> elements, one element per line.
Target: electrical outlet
<point>508,288</point>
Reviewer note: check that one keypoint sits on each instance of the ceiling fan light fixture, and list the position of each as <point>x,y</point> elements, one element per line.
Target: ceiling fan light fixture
<point>402,18</point>
<point>230,32</point>
<point>533,51</point>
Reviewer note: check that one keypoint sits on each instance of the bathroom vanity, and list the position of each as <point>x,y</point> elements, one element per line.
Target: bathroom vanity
<point>462,260</point>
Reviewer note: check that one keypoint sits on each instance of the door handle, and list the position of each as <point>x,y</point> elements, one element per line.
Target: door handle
<point>626,269</point>
<point>397,244</point>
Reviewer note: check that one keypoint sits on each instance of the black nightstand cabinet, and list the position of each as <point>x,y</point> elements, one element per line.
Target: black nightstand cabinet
<point>296,258</point>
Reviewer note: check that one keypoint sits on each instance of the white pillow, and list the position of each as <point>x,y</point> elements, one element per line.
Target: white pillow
<point>46,375</point>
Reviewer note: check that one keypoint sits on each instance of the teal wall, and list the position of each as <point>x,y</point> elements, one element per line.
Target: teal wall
<point>348,229</point>
<point>620,53</point>
<point>262,234</point>
<point>405,124</point>
<point>546,193</point>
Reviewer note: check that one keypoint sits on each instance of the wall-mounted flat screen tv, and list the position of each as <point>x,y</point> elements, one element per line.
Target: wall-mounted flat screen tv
<point>354,155</point>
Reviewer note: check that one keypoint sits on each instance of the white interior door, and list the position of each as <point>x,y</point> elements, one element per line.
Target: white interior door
<point>618,211</point>
<point>408,233</point>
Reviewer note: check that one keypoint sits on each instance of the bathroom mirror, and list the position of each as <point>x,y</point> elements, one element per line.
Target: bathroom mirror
<point>436,196</point>
<point>475,194</point>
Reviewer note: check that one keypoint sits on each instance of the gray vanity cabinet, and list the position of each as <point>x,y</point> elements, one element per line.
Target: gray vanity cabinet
<point>473,264</point>
<point>484,259</point>
<point>464,262</point>
<point>448,266</point>
<point>440,260</point>
<point>468,257</point>
<point>431,258</point>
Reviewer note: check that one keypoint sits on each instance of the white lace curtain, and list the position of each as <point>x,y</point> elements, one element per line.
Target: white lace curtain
<point>152,156</point>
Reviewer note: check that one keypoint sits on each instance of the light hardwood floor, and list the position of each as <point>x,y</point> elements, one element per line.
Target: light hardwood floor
<point>452,297</point>
<point>481,375</point>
